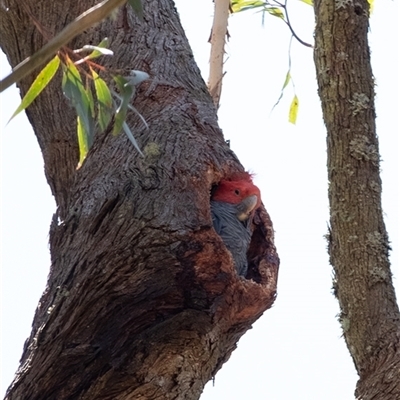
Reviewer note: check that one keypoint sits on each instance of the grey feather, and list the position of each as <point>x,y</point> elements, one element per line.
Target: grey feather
<point>235,234</point>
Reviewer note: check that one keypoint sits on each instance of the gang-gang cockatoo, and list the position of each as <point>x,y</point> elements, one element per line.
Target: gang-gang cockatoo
<point>233,203</point>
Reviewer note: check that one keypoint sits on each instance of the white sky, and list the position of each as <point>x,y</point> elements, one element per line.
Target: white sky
<point>295,351</point>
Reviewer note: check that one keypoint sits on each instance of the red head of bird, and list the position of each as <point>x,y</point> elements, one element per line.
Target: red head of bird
<point>240,190</point>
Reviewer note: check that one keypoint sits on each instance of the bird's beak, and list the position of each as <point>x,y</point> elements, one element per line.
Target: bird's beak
<point>245,208</point>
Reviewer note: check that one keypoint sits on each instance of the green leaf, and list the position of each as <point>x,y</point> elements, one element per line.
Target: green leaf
<point>275,11</point>
<point>126,89</point>
<point>104,101</point>
<point>41,81</point>
<point>83,142</point>
<point>104,43</point>
<point>126,93</point>
<point>131,137</point>
<point>97,51</point>
<point>137,7</point>
<point>285,83</point>
<point>120,117</point>
<point>293,111</point>
<point>287,80</point>
<point>72,84</point>
<point>89,94</point>
<point>243,5</point>
<point>80,98</point>
<point>121,82</point>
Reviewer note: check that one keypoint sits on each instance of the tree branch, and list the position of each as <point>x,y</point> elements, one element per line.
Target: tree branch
<point>218,34</point>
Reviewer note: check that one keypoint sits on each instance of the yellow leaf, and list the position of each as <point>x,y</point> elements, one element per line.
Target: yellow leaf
<point>309,2</point>
<point>243,5</point>
<point>294,108</point>
<point>82,142</point>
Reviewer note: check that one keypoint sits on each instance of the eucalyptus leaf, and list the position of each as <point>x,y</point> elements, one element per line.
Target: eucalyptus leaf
<point>104,101</point>
<point>131,137</point>
<point>275,11</point>
<point>82,141</point>
<point>126,93</point>
<point>75,91</point>
<point>293,110</point>
<point>41,81</point>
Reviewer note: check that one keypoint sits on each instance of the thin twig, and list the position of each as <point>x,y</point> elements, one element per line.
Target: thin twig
<point>287,22</point>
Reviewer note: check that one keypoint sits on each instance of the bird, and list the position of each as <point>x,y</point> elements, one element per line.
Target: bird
<point>233,204</point>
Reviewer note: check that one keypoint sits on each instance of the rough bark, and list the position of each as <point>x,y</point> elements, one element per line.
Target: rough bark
<point>358,242</point>
<point>142,301</point>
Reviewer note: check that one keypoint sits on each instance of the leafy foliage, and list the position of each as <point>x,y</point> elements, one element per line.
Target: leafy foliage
<point>90,95</point>
<point>80,91</point>
<point>243,5</point>
<point>277,9</point>
<point>264,6</point>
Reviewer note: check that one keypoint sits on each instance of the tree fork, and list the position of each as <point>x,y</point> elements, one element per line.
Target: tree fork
<point>358,242</point>
<point>142,298</point>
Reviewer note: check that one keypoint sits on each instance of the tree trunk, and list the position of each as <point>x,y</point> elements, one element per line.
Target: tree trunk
<point>358,242</point>
<point>142,300</point>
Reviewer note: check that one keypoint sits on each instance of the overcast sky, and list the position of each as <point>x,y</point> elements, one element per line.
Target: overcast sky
<point>294,351</point>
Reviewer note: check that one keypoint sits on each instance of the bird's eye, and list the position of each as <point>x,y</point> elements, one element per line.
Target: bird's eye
<point>237,192</point>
